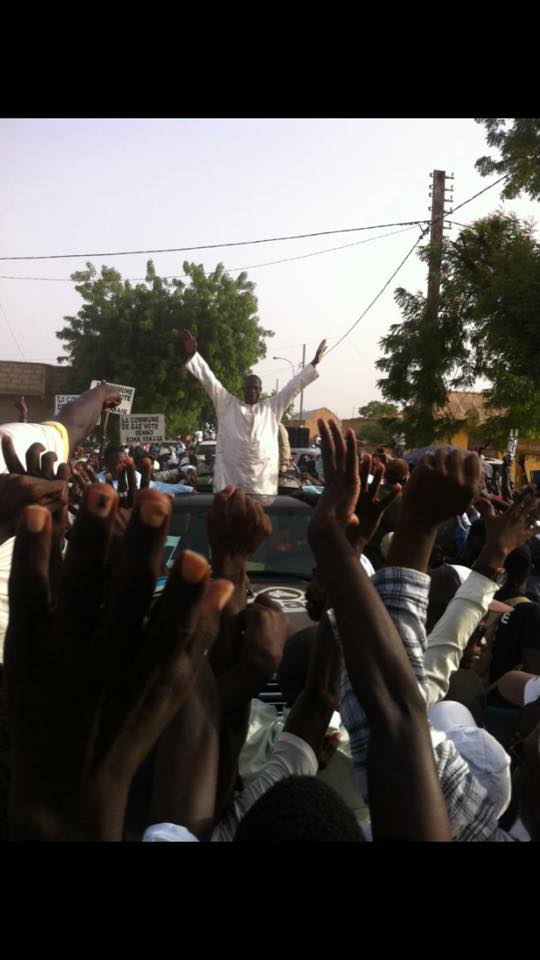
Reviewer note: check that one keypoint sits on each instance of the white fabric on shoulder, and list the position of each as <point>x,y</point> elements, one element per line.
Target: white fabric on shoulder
<point>167,833</point>
<point>531,690</point>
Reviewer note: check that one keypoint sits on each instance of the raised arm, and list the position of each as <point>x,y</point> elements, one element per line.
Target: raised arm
<point>81,415</point>
<point>448,639</point>
<point>406,800</point>
<point>202,372</point>
<point>309,373</point>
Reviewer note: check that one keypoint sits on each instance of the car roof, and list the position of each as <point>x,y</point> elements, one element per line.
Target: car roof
<point>203,501</point>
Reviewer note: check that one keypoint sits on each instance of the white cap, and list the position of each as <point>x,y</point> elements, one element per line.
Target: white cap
<point>487,759</point>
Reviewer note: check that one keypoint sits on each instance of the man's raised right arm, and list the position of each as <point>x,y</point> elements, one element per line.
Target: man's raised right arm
<point>200,369</point>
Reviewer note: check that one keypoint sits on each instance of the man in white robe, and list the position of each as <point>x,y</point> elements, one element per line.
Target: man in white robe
<point>247,453</point>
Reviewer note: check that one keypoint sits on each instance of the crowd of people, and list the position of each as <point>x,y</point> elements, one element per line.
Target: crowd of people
<point>412,702</point>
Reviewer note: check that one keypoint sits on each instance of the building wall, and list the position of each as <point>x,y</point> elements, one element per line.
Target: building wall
<point>38,383</point>
<point>323,413</point>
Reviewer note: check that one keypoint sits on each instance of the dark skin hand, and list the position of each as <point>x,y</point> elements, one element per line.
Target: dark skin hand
<point>509,530</point>
<point>190,343</point>
<point>80,416</point>
<point>439,487</point>
<point>237,526</point>
<point>35,485</point>
<point>313,709</point>
<point>92,683</point>
<point>369,509</point>
<point>406,800</point>
<point>321,350</point>
<point>22,406</point>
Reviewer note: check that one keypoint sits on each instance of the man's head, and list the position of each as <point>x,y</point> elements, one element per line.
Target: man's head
<point>518,566</point>
<point>475,542</point>
<point>252,389</point>
<point>299,810</point>
<point>115,460</point>
<point>444,585</point>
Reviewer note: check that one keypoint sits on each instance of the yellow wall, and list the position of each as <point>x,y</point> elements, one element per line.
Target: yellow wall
<point>531,449</point>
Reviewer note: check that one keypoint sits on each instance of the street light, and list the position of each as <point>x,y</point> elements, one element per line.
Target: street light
<point>286,361</point>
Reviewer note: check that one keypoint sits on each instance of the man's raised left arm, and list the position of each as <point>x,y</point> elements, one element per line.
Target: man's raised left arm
<point>307,375</point>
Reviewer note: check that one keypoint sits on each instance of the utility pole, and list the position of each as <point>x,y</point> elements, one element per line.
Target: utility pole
<point>435,242</point>
<point>431,341</point>
<point>302,390</point>
<point>277,386</point>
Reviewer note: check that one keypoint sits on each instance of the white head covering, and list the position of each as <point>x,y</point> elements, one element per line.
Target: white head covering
<point>487,759</point>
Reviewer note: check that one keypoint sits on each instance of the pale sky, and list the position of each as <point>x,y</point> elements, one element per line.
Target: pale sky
<point>79,185</point>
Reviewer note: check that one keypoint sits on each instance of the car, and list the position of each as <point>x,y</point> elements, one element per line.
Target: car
<point>205,452</point>
<point>283,564</point>
<point>302,456</point>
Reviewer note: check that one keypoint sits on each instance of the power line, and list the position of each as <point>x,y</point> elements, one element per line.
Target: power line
<point>380,293</point>
<point>250,266</point>
<point>411,251</point>
<point>14,338</point>
<point>214,246</point>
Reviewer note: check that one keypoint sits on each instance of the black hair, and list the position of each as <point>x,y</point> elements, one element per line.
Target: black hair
<point>444,585</point>
<point>112,451</point>
<point>299,810</point>
<point>475,542</point>
<point>518,564</point>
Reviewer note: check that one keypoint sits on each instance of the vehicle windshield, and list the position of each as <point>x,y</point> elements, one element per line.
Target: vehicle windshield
<point>285,554</point>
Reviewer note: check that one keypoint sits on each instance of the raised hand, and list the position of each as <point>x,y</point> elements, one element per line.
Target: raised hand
<point>236,524</point>
<point>321,350</point>
<point>190,343</point>
<point>35,484</point>
<point>441,487</point>
<point>338,502</point>
<point>111,396</point>
<point>92,683</point>
<point>147,468</point>
<point>369,509</point>
<point>313,709</point>
<point>127,483</point>
<point>509,530</point>
<point>22,406</point>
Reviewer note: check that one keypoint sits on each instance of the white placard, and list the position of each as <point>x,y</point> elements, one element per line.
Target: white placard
<point>61,399</point>
<point>142,428</point>
<point>127,394</point>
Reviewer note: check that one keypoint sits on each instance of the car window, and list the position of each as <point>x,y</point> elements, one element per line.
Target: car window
<point>286,552</point>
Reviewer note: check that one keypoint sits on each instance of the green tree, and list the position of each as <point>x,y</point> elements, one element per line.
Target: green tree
<point>518,142</point>
<point>378,408</point>
<point>488,327</point>
<point>131,334</point>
